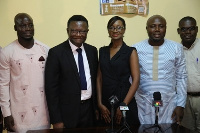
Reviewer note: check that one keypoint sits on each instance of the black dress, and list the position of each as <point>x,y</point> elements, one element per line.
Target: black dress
<point>115,79</point>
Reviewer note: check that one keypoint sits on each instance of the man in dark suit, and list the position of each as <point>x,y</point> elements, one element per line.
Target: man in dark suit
<point>72,101</point>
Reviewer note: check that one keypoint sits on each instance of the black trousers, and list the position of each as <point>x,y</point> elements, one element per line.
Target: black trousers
<point>86,114</point>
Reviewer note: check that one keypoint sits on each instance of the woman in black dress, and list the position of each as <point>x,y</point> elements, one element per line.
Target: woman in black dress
<point>117,62</point>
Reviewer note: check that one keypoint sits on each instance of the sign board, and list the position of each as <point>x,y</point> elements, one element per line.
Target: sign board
<point>108,7</point>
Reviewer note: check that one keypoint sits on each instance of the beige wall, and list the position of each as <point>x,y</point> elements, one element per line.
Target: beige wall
<point>50,19</point>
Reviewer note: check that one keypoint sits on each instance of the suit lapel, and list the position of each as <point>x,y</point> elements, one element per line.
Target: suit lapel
<point>116,58</point>
<point>89,57</point>
<point>72,61</point>
<point>121,51</point>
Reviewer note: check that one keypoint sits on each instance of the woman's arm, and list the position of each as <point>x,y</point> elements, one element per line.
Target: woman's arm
<point>135,74</point>
<point>105,113</point>
<point>99,86</point>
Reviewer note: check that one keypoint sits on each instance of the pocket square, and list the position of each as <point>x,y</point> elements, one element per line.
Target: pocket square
<point>41,58</point>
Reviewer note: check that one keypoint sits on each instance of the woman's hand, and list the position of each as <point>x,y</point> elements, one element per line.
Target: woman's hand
<point>118,116</point>
<point>105,113</point>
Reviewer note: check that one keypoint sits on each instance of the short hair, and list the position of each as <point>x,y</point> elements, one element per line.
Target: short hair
<point>187,18</point>
<point>77,18</point>
<point>19,15</point>
<point>156,16</point>
<point>114,19</point>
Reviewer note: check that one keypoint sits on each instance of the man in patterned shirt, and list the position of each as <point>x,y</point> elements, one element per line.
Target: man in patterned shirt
<point>162,69</point>
<point>22,95</point>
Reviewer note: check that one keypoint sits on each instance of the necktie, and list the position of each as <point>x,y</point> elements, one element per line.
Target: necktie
<point>81,70</point>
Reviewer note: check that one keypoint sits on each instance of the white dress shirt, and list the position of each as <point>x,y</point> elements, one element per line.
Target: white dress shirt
<point>85,94</point>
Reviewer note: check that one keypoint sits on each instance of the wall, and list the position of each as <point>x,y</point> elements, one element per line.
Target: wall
<point>50,19</point>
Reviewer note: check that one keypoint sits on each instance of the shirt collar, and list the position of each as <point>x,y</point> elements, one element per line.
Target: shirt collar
<point>191,45</point>
<point>73,47</point>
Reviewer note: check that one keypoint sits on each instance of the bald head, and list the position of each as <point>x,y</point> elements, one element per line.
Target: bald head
<point>152,18</point>
<point>20,16</point>
<point>24,27</point>
<point>156,29</point>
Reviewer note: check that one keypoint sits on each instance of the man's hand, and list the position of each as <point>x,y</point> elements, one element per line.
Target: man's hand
<point>58,125</point>
<point>178,114</point>
<point>9,123</point>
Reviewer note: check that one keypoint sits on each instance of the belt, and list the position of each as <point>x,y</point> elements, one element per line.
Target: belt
<point>193,93</point>
<point>84,101</point>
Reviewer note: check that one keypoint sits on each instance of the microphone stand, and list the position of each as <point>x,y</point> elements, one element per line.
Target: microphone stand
<point>125,124</point>
<point>156,122</point>
<point>112,130</point>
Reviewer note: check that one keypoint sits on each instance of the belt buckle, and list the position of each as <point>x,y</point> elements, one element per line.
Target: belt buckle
<point>82,101</point>
<point>194,93</point>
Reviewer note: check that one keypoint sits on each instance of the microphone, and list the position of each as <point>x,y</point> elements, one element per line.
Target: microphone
<point>112,100</point>
<point>157,102</point>
<point>123,107</point>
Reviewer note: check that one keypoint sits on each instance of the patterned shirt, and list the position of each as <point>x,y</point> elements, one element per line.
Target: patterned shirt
<point>162,69</point>
<point>22,85</point>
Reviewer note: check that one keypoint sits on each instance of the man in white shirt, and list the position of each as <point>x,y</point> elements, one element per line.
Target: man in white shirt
<point>188,32</point>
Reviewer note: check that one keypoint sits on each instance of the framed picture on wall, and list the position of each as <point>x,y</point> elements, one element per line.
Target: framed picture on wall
<point>140,7</point>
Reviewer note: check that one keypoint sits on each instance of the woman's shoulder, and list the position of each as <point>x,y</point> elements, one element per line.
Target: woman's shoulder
<point>129,48</point>
<point>103,48</point>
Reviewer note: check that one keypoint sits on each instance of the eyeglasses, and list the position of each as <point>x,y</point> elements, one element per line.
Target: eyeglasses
<point>75,32</point>
<point>184,29</point>
<point>118,28</point>
<point>23,27</point>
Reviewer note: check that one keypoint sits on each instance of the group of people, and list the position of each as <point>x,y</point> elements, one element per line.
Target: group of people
<point>69,86</point>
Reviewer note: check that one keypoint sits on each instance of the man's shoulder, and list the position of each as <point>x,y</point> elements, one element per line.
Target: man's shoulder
<point>141,43</point>
<point>41,44</point>
<point>197,41</point>
<point>173,43</point>
<point>89,45</point>
<point>60,46</point>
<point>10,47</point>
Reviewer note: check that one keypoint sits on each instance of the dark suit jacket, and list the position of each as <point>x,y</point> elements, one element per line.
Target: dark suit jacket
<point>62,83</point>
